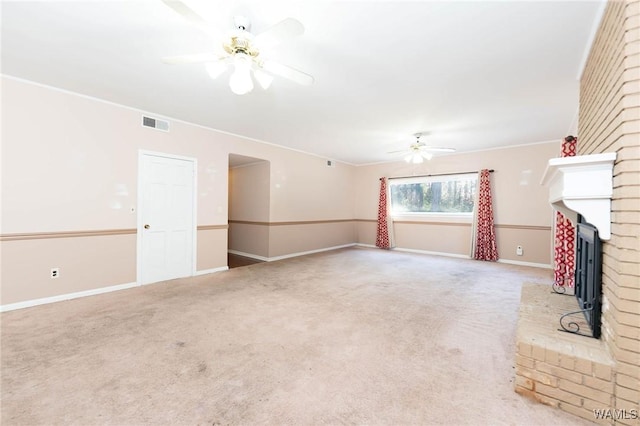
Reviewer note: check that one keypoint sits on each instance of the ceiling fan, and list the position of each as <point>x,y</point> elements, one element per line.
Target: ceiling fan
<point>242,49</point>
<point>419,151</point>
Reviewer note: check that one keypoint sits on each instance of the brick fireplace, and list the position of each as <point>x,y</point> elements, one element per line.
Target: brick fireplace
<point>597,379</point>
<point>560,359</point>
<point>564,370</point>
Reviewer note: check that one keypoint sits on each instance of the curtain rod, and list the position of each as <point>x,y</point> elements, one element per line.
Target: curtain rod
<point>437,174</point>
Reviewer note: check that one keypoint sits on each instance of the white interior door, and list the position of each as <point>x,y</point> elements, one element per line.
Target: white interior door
<point>165,217</point>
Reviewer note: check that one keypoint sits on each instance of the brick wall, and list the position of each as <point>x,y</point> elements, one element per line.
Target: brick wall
<point>573,384</point>
<point>580,376</point>
<point>609,121</point>
<point>568,371</point>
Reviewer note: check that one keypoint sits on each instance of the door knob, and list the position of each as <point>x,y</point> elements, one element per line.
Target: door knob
<point>147,227</point>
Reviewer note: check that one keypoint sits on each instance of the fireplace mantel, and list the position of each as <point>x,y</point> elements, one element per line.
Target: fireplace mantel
<point>582,185</point>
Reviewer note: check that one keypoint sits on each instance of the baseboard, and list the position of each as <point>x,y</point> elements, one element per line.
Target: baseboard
<point>304,253</point>
<point>517,262</point>
<point>287,256</point>
<point>249,255</point>
<point>433,253</point>
<point>463,256</point>
<point>62,297</point>
<point>211,271</point>
<point>94,292</point>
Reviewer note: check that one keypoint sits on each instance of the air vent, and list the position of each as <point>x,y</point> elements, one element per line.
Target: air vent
<point>155,123</point>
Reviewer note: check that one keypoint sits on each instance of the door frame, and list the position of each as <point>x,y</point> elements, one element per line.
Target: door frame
<point>194,231</point>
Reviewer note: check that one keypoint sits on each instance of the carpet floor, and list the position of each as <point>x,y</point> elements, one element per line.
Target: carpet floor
<point>352,336</point>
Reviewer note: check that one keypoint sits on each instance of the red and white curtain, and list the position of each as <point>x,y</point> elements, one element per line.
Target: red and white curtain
<point>484,236</point>
<point>565,234</point>
<point>384,234</point>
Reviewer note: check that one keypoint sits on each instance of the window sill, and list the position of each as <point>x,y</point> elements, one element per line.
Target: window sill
<point>433,217</point>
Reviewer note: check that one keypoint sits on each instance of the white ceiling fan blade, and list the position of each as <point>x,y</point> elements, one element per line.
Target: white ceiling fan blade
<point>397,152</point>
<point>437,149</point>
<point>188,13</point>
<point>287,72</point>
<point>263,78</point>
<point>191,59</point>
<point>215,69</point>
<point>279,32</point>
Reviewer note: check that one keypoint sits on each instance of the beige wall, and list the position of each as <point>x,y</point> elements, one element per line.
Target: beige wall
<point>278,208</point>
<point>249,209</point>
<point>69,168</point>
<point>609,121</point>
<point>309,236</point>
<point>85,262</point>
<point>211,251</point>
<point>312,206</point>
<point>249,239</point>
<point>522,212</point>
<point>249,192</point>
<point>74,174</point>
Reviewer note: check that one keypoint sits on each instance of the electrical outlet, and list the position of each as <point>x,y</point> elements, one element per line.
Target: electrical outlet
<point>519,250</point>
<point>55,273</point>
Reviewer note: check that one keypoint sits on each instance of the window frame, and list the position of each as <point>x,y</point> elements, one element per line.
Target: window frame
<point>433,216</point>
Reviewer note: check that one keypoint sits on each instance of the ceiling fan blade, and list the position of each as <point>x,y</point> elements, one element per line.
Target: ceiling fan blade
<point>404,151</point>
<point>279,32</point>
<point>186,12</point>
<point>195,58</point>
<point>287,72</point>
<point>437,149</point>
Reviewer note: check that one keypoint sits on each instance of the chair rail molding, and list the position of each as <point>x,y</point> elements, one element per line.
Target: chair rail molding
<point>582,185</point>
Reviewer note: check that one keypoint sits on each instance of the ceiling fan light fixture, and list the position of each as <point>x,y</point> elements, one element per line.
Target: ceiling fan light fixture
<point>240,81</point>
<point>414,158</point>
<point>215,69</point>
<point>263,79</point>
<point>243,49</point>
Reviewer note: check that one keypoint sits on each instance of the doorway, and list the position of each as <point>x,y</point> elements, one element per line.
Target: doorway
<point>166,217</point>
<point>249,214</point>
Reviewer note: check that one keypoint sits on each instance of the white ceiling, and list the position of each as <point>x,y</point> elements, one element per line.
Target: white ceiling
<point>476,75</point>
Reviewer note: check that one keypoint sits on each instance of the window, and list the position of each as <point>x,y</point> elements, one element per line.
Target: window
<point>450,194</point>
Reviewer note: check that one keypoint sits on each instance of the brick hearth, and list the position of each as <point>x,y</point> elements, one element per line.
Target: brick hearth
<point>567,371</point>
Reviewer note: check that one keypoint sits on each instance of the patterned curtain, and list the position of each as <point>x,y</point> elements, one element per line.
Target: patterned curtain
<point>382,235</point>
<point>565,234</point>
<point>485,237</point>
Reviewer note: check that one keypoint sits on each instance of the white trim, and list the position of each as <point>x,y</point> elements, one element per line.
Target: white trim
<point>304,253</point>
<point>592,37</point>
<point>582,184</point>
<point>287,256</point>
<point>464,256</point>
<point>165,117</point>
<point>495,148</point>
<point>165,155</point>
<point>211,271</point>
<point>259,161</point>
<point>520,263</point>
<point>63,297</point>
<point>433,253</point>
<point>249,255</point>
<point>139,219</point>
<point>194,233</point>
